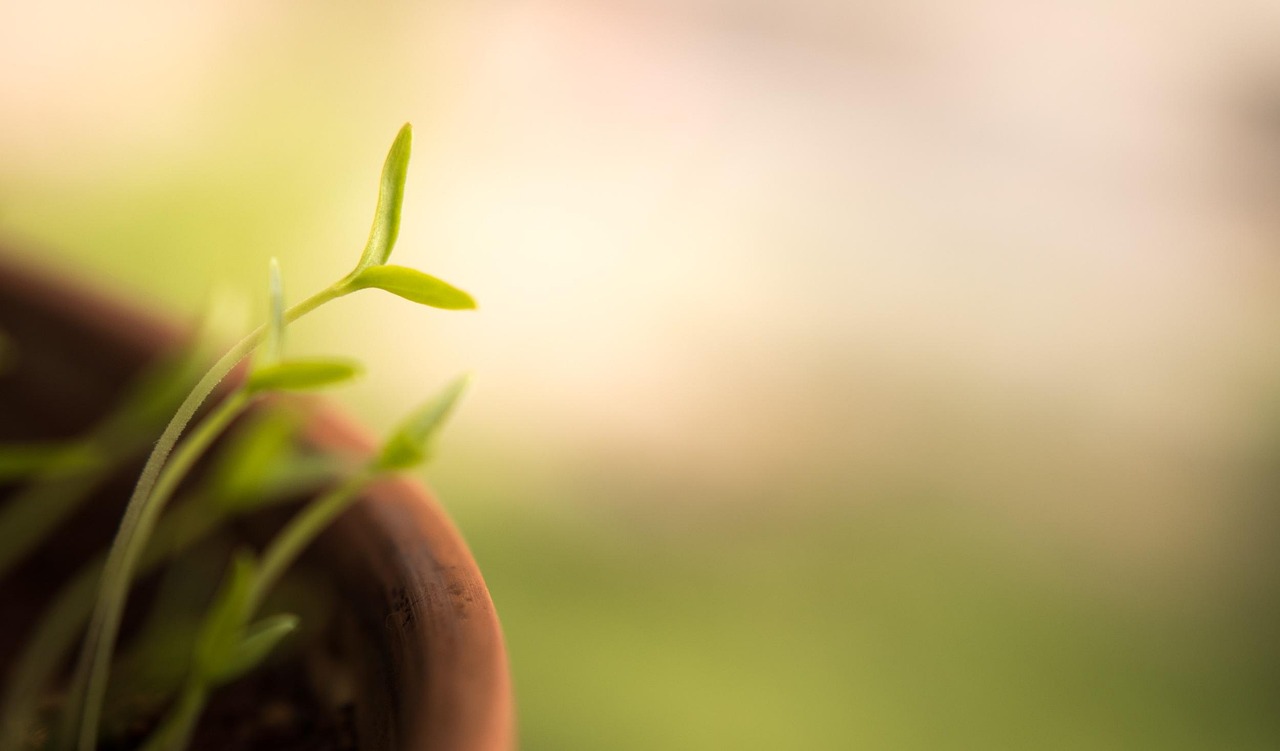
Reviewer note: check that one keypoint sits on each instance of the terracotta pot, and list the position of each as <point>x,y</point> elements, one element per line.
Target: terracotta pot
<point>432,670</point>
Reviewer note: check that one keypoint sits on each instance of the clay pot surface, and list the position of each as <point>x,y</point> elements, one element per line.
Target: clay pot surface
<point>431,672</point>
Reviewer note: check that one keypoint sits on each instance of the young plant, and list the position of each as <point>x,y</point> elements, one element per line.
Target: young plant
<point>259,467</point>
<point>270,373</point>
<point>230,644</point>
<point>173,456</point>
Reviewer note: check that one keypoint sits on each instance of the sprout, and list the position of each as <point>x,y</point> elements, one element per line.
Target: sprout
<point>415,286</point>
<point>410,444</point>
<point>174,455</point>
<point>386,217</point>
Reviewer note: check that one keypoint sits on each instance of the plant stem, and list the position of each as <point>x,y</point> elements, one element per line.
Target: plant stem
<point>301,530</point>
<point>119,569</point>
<point>60,623</point>
<point>288,544</point>
<point>140,517</point>
<point>174,733</point>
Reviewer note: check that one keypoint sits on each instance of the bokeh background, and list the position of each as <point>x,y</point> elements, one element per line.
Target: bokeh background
<point>899,374</point>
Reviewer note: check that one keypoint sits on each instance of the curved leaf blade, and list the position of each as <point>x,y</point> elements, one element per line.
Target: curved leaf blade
<point>410,444</point>
<point>223,626</point>
<point>242,469</point>
<point>386,217</point>
<point>415,286</point>
<point>258,642</point>
<point>304,374</point>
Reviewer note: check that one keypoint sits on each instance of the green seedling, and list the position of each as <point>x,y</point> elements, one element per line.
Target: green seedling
<point>225,649</point>
<point>260,466</point>
<point>174,455</point>
<point>228,646</point>
<point>280,375</point>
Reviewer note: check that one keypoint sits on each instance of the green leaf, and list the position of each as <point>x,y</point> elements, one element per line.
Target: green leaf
<point>415,286</point>
<point>386,217</point>
<point>303,375</point>
<point>223,627</point>
<point>258,642</point>
<point>410,445</point>
<point>262,464</point>
<point>293,475</point>
<point>249,460</point>
<point>19,461</point>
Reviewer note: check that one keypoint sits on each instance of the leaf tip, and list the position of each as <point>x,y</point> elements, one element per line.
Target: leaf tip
<point>410,445</point>
<point>386,217</point>
<point>415,286</point>
<point>404,137</point>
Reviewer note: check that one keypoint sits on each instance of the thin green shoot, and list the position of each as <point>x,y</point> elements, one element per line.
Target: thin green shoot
<point>257,469</point>
<point>229,646</point>
<point>86,685</point>
<point>145,504</point>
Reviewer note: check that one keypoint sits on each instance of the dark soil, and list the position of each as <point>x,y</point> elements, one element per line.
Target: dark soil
<point>274,709</point>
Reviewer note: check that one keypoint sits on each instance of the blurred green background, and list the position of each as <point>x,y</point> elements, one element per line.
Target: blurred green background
<point>887,375</point>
